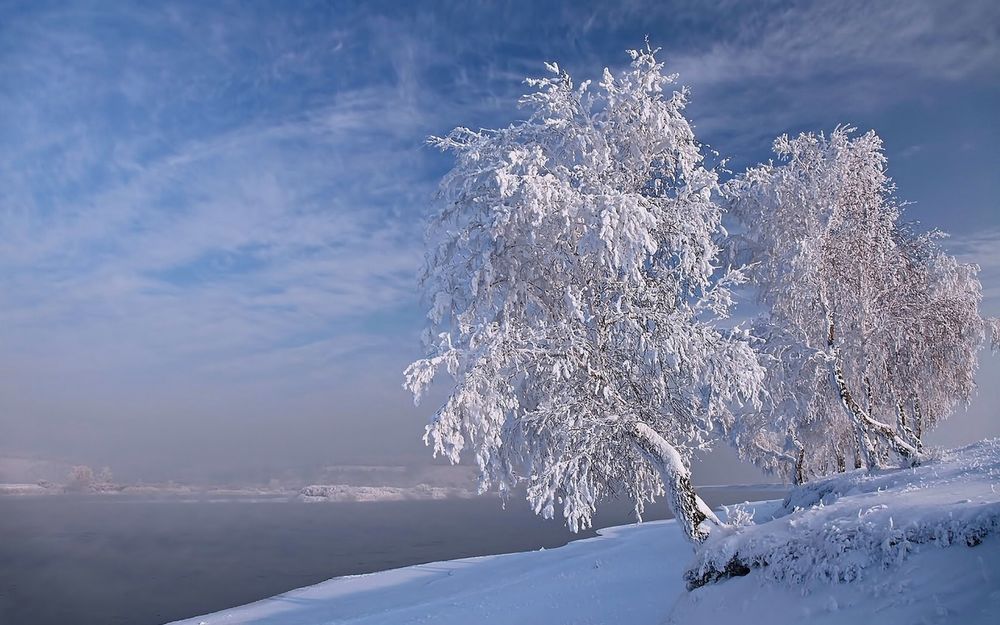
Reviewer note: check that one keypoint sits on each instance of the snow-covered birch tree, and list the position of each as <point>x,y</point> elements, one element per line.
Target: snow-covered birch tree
<point>575,296</point>
<point>872,330</point>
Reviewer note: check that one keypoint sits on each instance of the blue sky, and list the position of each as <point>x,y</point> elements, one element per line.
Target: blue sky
<point>211,213</point>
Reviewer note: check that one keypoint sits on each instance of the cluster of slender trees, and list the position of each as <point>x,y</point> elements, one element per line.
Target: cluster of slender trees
<point>581,283</point>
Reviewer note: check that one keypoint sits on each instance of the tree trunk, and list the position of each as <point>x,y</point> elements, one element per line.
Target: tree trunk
<point>881,450</point>
<point>862,441</point>
<point>864,424</point>
<point>903,427</point>
<point>692,514</point>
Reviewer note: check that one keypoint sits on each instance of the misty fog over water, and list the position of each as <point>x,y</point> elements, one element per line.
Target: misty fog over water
<point>120,560</point>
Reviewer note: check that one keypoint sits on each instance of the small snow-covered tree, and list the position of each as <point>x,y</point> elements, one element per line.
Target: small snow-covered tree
<point>872,330</point>
<point>105,476</point>
<point>80,477</point>
<point>575,294</point>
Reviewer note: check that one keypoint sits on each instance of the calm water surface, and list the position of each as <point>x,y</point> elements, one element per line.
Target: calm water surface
<point>134,561</point>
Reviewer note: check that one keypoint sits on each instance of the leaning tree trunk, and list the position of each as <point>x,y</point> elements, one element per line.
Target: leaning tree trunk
<point>692,514</point>
<point>864,425</point>
<point>881,449</point>
<point>904,427</point>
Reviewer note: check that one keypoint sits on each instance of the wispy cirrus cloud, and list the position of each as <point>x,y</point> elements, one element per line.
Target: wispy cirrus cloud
<point>215,213</point>
<point>269,229</point>
<point>779,66</point>
<point>203,239</point>
<point>802,41</point>
<point>219,205</point>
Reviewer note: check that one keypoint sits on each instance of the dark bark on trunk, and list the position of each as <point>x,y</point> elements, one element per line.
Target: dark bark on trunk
<point>800,467</point>
<point>904,428</point>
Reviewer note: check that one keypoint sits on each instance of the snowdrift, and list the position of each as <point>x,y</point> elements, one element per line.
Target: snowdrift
<point>908,546</point>
<point>840,528</point>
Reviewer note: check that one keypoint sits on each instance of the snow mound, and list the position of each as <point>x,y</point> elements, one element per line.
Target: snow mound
<point>841,528</point>
<point>933,586</point>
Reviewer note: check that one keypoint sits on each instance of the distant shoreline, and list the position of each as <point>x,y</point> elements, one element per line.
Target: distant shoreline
<point>313,493</point>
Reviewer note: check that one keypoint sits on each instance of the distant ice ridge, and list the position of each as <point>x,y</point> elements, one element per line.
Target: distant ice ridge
<point>346,492</point>
<point>927,552</point>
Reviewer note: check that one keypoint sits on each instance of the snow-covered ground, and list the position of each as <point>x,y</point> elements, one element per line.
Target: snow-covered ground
<point>923,570</point>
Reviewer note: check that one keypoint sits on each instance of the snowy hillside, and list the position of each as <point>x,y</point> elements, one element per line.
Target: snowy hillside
<point>912,546</point>
<point>845,527</point>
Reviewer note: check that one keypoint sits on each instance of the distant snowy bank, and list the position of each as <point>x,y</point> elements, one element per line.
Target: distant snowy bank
<point>23,489</point>
<point>311,494</point>
<point>333,483</point>
<point>911,545</point>
<point>346,492</point>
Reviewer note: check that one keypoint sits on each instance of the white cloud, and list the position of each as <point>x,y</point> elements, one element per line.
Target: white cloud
<point>134,257</point>
<point>803,41</point>
<point>783,66</point>
<point>199,246</point>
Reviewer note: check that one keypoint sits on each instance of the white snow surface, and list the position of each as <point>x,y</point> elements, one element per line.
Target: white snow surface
<point>852,525</point>
<point>915,568</point>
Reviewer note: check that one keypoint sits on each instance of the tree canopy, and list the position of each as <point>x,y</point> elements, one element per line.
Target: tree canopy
<point>575,297</point>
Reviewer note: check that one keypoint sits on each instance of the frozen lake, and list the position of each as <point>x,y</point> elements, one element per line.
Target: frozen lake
<point>136,561</point>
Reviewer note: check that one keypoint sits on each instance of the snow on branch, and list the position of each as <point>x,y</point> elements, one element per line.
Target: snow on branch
<point>574,291</point>
<point>872,329</point>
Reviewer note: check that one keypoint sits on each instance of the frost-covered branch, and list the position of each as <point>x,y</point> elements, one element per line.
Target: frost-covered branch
<point>868,322</point>
<point>574,295</point>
